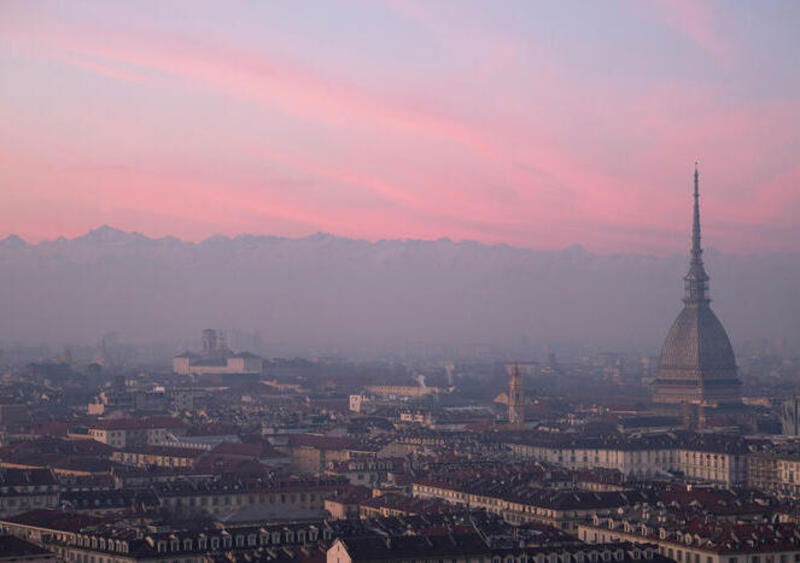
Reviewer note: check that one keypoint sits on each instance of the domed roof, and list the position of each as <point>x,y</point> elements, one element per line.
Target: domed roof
<point>697,341</point>
<point>697,362</point>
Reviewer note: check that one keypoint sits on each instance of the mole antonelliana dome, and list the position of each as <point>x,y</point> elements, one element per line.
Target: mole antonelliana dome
<point>697,363</point>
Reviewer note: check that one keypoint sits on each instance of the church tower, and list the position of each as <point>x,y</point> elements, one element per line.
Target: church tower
<point>697,364</point>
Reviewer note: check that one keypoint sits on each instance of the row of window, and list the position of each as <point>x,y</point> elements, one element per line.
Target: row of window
<point>239,500</point>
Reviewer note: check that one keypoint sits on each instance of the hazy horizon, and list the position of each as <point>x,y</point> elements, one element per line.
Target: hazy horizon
<point>328,294</point>
<point>709,248</point>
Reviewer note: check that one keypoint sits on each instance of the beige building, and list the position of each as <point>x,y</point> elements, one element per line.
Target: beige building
<point>562,509</point>
<point>243,363</point>
<point>472,548</point>
<point>126,432</point>
<point>291,496</point>
<point>402,391</point>
<point>699,541</point>
<point>159,456</point>
<point>708,459</point>
<point>22,490</point>
<point>217,359</point>
<point>81,540</point>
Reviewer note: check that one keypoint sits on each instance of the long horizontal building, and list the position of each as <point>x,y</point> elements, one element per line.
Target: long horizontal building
<point>465,547</point>
<point>82,539</point>
<point>703,457</point>
<point>518,503</point>
<point>698,540</point>
<point>223,497</point>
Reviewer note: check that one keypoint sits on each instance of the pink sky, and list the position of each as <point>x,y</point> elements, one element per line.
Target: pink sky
<point>538,124</point>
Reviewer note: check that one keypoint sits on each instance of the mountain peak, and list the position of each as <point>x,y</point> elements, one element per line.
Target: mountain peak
<point>13,241</point>
<point>105,234</point>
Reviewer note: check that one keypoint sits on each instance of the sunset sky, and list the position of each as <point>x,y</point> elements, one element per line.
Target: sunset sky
<point>538,124</point>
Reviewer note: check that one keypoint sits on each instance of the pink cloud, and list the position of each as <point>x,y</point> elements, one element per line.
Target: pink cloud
<point>696,20</point>
<point>503,173</point>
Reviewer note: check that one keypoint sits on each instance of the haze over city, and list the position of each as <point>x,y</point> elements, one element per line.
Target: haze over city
<point>399,281</point>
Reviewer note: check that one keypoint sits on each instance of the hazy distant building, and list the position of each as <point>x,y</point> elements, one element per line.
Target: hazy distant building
<point>216,359</point>
<point>516,398</point>
<point>403,391</point>
<point>790,416</point>
<point>697,363</point>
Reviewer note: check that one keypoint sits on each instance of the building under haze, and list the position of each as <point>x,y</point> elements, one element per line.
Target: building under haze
<point>697,364</point>
<point>216,359</point>
<point>516,398</point>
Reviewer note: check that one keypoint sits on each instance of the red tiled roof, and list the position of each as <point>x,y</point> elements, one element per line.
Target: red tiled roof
<point>255,451</point>
<point>137,423</point>
<point>55,520</point>
<point>322,442</point>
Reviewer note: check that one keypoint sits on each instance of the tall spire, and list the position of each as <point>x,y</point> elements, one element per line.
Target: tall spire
<point>697,250</point>
<point>696,281</point>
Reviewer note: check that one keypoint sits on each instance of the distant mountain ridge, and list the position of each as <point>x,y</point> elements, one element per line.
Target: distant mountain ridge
<point>349,296</point>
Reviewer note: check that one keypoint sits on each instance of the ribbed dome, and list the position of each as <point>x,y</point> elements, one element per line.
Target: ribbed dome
<point>697,342</point>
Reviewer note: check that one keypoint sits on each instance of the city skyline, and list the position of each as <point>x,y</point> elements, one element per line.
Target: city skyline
<point>350,281</point>
<point>536,125</point>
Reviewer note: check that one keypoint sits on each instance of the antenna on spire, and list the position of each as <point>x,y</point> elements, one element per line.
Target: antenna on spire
<point>696,280</point>
<point>697,250</point>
